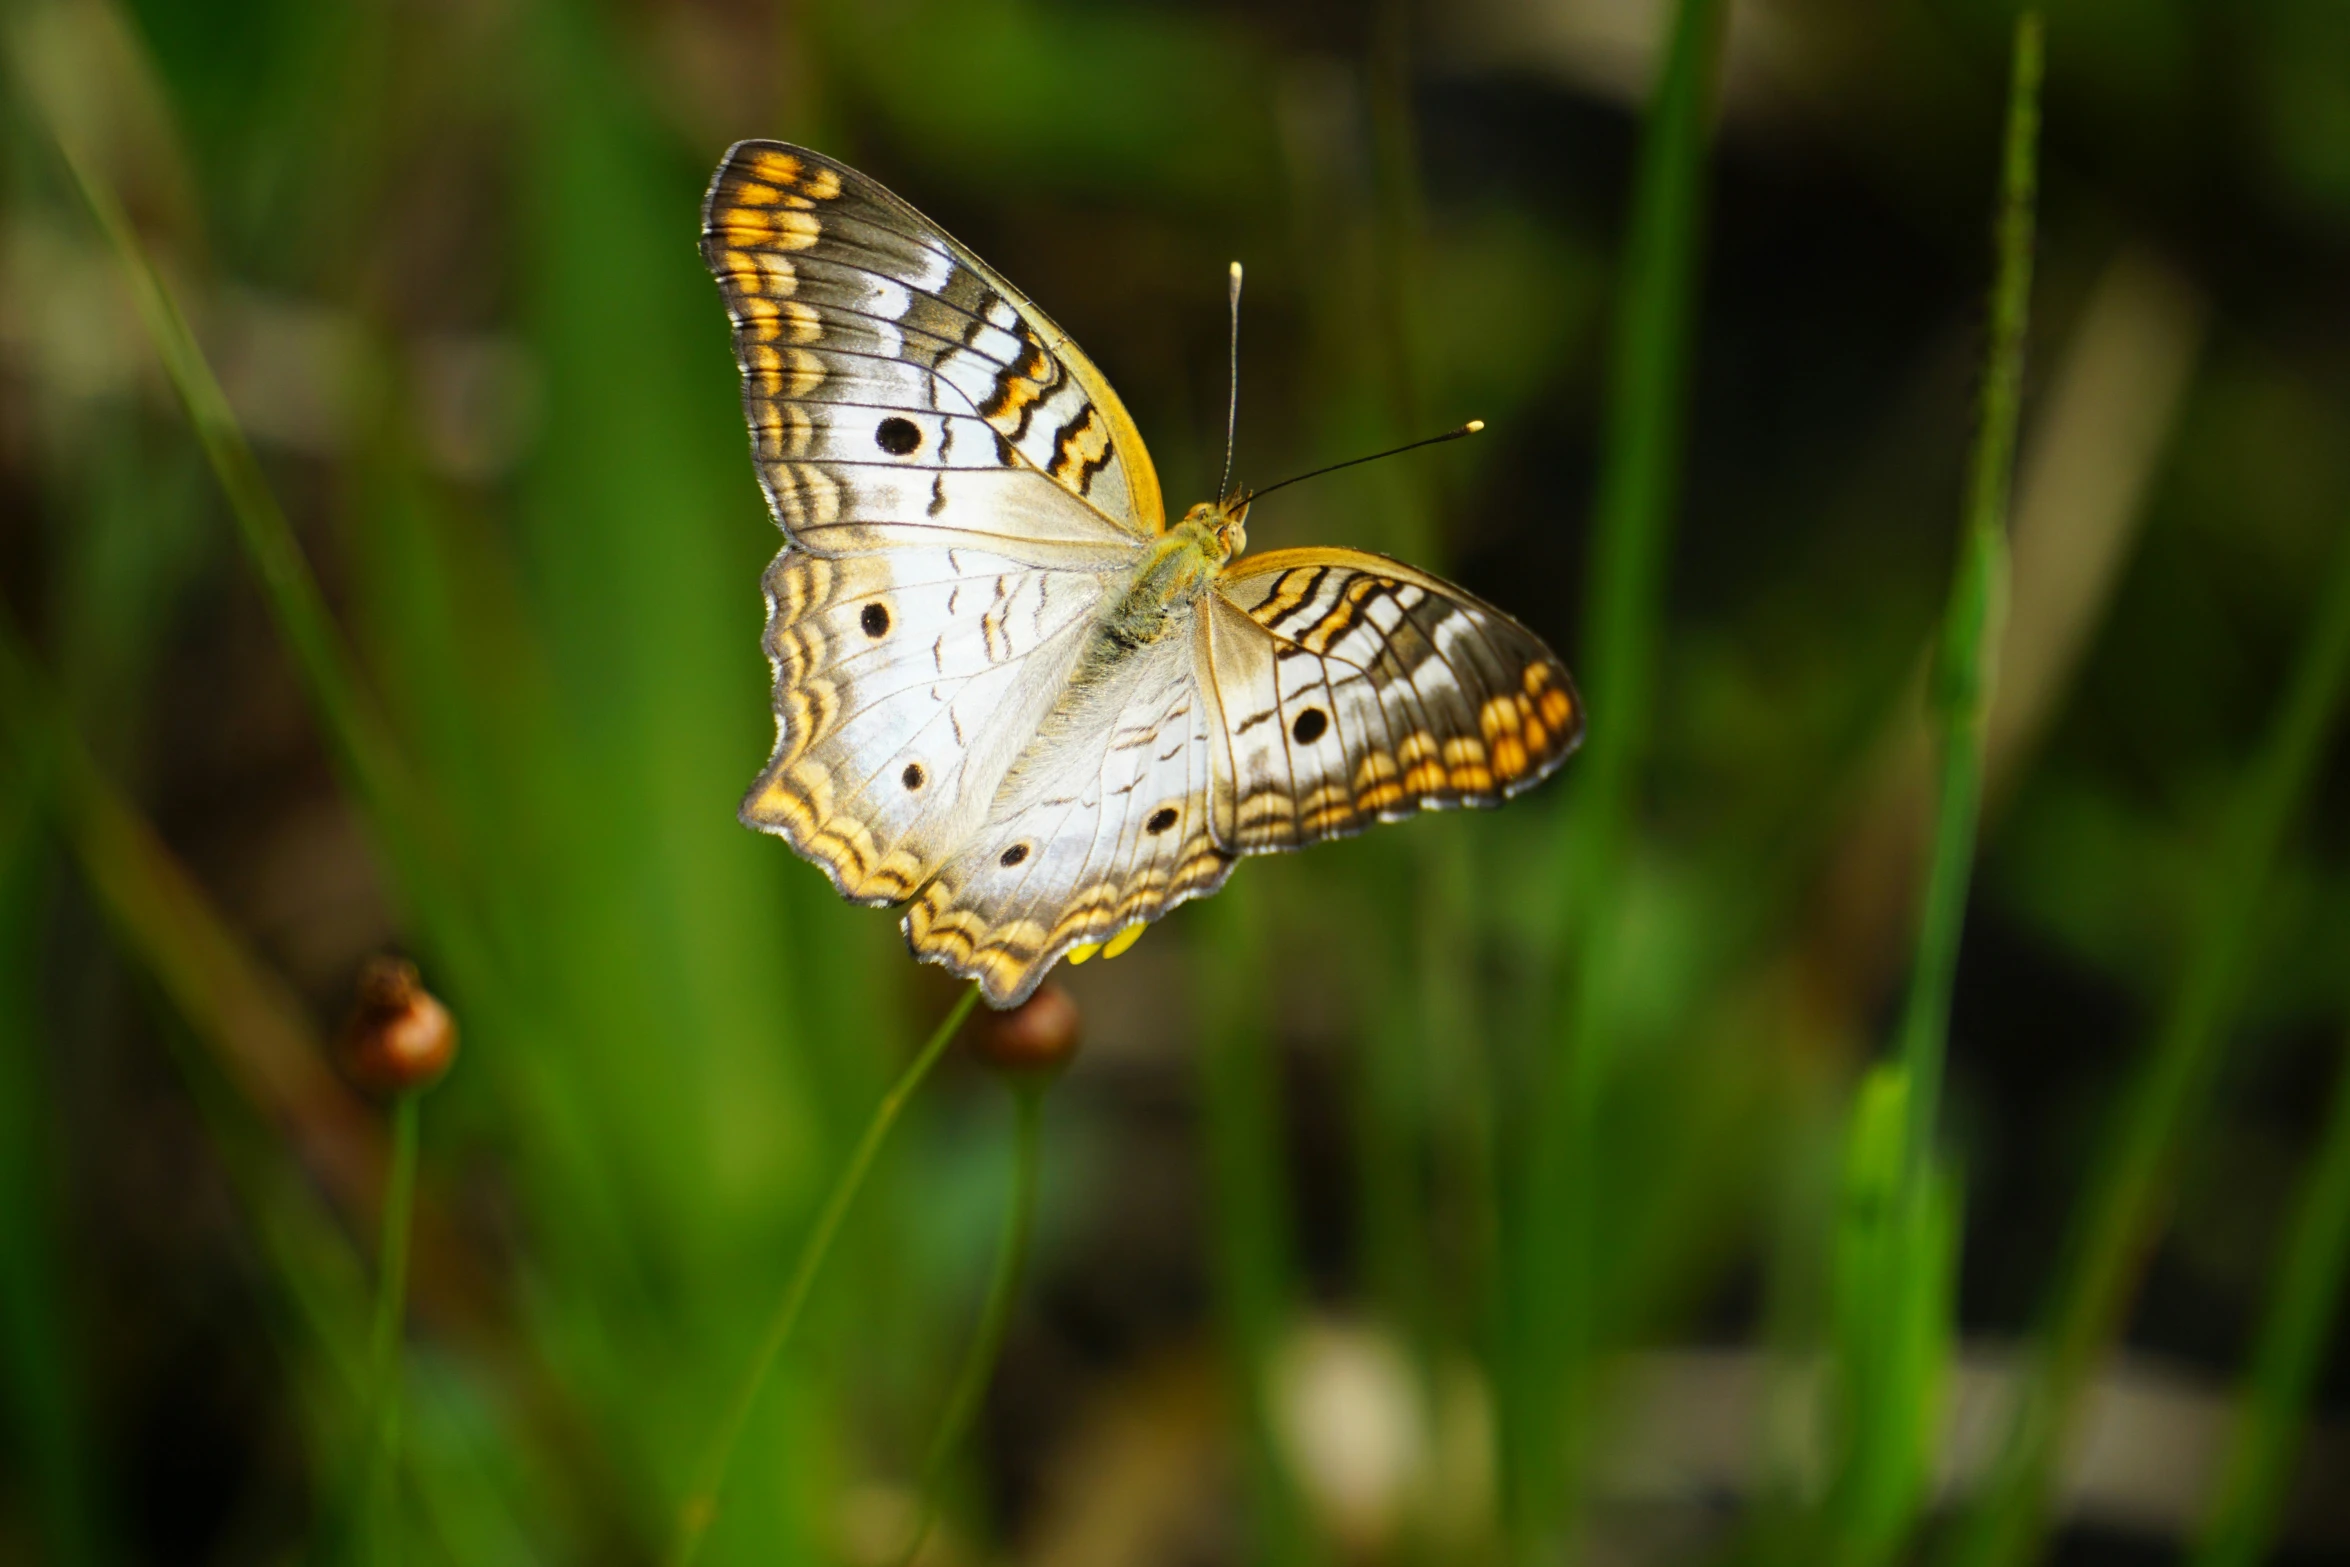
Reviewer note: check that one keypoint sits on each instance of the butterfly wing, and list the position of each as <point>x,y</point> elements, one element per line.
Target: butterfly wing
<point>906,683</point>
<point>898,389</point>
<point>1355,689</point>
<point>1105,823</point>
<point>958,486</point>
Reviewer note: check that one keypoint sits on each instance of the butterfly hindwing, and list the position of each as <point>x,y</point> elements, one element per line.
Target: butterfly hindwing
<point>905,683</point>
<point>897,388</point>
<point>1103,824</point>
<point>1356,689</point>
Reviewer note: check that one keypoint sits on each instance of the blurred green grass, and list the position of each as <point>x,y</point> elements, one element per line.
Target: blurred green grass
<point>1532,1103</point>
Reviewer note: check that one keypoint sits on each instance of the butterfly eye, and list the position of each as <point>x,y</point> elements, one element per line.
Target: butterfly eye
<point>1012,856</point>
<point>1309,726</point>
<point>912,776</point>
<point>1161,819</point>
<point>875,620</point>
<point>897,436</point>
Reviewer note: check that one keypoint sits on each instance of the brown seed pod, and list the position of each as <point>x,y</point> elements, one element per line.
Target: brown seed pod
<point>399,1037</point>
<point>1036,1038</point>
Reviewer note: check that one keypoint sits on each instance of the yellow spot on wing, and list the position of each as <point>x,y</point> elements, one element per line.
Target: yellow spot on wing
<point>781,167</point>
<point>807,372</point>
<point>796,230</point>
<point>1124,939</point>
<point>1084,951</point>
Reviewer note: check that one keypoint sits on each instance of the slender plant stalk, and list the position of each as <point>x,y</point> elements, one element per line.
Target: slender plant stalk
<point>40,1366</point>
<point>1966,664</point>
<point>360,740</point>
<point>1893,1264</point>
<point>357,730</point>
<point>2120,1218</point>
<point>1255,1253</point>
<point>379,1513</point>
<point>2289,1355</point>
<point>1552,1333</point>
<point>1893,1293</point>
<point>995,1316</point>
<point>701,1504</point>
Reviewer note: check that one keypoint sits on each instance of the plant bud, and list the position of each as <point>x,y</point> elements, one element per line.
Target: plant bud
<point>1036,1038</point>
<point>399,1038</point>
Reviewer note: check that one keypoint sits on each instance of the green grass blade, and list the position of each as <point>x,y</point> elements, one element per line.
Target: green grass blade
<point>1645,429</point>
<point>355,728</point>
<point>2290,1353</point>
<point>995,1313</point>
<point>701,1506</point>
<point>1895,1262</point>
<point>1965,666</point>
<point>379,1499</point>
<point>1897,1240</point>
<point>242,1011</point>
<point>1550,1330</point>
<point>1254,1250</point>
<point>41,1397</point>
<point>2120,1217</point>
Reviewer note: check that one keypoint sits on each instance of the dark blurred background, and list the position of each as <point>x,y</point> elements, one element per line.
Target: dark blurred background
<point>441,256</point>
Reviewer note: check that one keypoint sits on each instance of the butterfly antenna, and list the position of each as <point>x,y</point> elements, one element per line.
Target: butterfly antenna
<point>1232,403</point>
<point>1471,428</point>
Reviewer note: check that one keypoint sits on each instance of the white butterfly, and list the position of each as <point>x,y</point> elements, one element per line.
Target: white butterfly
<point>1005,689</point>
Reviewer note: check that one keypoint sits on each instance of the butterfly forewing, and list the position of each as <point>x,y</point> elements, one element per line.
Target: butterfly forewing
<point>1355,689</point>
<point>856,316</point>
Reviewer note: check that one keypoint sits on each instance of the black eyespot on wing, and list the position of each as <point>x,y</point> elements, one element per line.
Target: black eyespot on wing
<point>912,776</point>
<point>897,436</point>
<point>1012,856</point>
<point>875,620</point>
<point>1161,819</point>
<point>1309,726</point>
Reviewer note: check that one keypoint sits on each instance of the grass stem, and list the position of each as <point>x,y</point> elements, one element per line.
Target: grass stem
<point>2119,1220</point>
<point>355,728</point>
<point>1550,1332</point>
<point>2289,1355</point>
<point>41,1376</point>
<point>1897,1239</point>
<point>701,1504</point>
<point>1255,1229</point>
<point>995,1316</point>
<point>379,1513</point>
<point>1965,671</point>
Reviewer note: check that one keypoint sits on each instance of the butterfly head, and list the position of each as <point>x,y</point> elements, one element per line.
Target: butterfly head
<point>1224,523</point>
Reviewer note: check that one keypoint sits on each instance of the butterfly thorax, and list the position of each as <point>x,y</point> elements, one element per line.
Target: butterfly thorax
<point>1166,586</point>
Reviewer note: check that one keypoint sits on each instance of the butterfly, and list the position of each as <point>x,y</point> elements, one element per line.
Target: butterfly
<point>1008,695</point>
